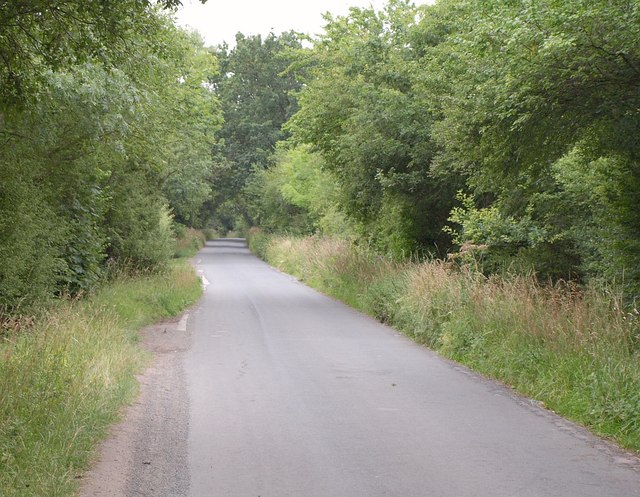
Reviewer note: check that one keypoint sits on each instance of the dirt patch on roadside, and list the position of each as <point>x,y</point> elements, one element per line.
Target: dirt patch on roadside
<point>145,454</point>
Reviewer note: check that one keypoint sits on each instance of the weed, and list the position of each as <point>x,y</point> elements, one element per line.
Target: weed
<point>188,241</point>
<point>64,378</point>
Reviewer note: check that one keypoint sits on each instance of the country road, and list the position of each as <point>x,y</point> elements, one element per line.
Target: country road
<point>279,391</point>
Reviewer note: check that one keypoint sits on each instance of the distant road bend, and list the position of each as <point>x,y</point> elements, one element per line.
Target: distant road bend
<point>292,394</point>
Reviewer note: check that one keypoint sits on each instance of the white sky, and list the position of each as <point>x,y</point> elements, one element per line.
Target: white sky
<point>220,20</point>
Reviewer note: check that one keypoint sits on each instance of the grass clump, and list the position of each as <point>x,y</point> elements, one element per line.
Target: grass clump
<point>64,379</point>
<point>188,241</point>
<point>575,350</point>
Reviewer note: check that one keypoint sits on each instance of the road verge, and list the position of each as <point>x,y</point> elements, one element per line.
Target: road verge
<point>64,381</point>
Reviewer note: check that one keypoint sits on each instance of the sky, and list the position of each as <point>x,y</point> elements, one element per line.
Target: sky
<point>220,20</point>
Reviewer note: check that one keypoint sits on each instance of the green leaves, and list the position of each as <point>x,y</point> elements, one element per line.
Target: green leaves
<point>531,108</point>
<point>99,146</point>
<point>255,87</point>
<point>360,109</point>
<point>531,98</point>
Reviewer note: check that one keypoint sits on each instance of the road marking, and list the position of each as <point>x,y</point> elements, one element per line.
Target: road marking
<point>203,279</point>
<point>182,324</point>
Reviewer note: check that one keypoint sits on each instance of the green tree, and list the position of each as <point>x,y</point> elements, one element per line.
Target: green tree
<point>297,195</point>
<point>90,157</point>
<point>167,147</point>
<point>542,98</point>
<point>360,110</point>
<point>41,35</point>
<point>255,91</point>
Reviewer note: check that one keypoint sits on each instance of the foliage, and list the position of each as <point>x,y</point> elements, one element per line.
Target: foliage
<point>530,109</point>
<point>488,237</point>
<point>296,194</point>
<point>360,110</point>
<point>254,88</point>
<point>98,146</point>
<point>188,241</point>
<point>258,241</point>
<point>187,116</point>
<point>44,36</point>
<point>541,100</point>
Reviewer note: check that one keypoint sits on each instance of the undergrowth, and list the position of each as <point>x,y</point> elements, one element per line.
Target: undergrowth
<point>575,350</point>
<point>64,378</point>
<point>189,241</point>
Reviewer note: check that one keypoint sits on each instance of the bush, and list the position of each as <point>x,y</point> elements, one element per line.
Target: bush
<point>188,241</point>
<point>140,228</point>
<point>211,234</point>
<point>258,241</point>
<point>30,248</point>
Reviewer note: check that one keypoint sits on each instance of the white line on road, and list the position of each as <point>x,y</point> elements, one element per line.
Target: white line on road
<point>203,279</point>
<point>182,325</point>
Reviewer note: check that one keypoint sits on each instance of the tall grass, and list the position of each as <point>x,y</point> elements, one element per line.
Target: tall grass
<point>575,350</point>
<point>64,379</point>
<point>188,241</point>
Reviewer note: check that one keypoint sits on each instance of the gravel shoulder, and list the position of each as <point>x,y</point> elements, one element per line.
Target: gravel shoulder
<point>145,454</point>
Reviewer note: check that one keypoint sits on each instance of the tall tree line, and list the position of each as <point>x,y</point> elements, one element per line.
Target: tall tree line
<point>495,130</point>
<point>106,130</point>
<point>256,87</point>
<point>503,131</point>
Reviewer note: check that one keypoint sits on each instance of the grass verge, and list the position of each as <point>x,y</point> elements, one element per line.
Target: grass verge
<point>577,351</point>
<point>189,241</point>
<point>64,380</point>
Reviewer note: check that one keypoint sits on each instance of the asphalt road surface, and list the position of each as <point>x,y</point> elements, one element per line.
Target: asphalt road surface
<point>293,394</point>
<point>284,392</point>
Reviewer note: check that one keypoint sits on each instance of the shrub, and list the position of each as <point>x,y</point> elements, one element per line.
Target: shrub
<point>188,241</point>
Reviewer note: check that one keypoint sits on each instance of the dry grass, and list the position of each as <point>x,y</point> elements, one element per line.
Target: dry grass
<point>189,241</point>
<point>64,378</point>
